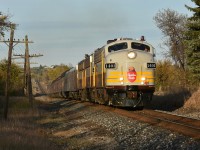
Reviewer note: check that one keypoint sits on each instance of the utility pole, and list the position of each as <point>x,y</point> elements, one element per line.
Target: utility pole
<point>27,71</point>
<point>21,56</point>
<point>7,89</point>
<point>10,44</point>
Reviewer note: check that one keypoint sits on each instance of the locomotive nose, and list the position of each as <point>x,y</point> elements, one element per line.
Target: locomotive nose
<point>133,71</point>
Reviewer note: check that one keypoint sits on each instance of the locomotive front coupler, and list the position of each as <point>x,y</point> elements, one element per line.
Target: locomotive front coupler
<point>131,88</point>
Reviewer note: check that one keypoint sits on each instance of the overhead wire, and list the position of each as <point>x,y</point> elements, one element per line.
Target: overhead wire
<point>18,48</point>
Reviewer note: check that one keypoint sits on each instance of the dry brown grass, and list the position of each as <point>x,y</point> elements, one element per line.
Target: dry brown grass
<point>20,131</point>
<point>193,101</point>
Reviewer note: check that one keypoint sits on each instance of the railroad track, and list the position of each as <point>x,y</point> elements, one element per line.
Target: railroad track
<point>186,126</point>
<point>183,125</point>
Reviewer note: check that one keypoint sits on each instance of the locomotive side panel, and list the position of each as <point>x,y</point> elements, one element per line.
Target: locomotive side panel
<point>87,71</point>
<point>81,74</point>
<point>98,75</point>
<point>99,67</point>
<point>88,76</point>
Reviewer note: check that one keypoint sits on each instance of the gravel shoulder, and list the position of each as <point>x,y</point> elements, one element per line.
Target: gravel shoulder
<point>73,125</point>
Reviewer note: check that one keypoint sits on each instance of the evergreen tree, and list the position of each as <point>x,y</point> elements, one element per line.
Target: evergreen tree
<point>193,42</point>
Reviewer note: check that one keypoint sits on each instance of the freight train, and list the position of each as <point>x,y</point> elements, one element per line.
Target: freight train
<point>121,73</point>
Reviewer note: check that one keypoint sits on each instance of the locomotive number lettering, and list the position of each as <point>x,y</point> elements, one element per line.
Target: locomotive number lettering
<point>110,65</point>
<point>151,65</point>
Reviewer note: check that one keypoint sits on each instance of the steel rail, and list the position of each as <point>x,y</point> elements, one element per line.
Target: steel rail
<point>183,125</point>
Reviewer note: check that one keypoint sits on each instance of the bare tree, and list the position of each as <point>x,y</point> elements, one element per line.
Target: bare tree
<point>172,24</point>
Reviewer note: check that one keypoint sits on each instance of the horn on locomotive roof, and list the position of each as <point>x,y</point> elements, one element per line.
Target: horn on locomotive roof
<point>86,55</point>
<point>110,41</point>
<point>142,38</point>
<point>118,39</point>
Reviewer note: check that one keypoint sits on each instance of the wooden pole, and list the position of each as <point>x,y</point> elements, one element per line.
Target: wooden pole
<point>28,72</point>
<point>7,89</point>
<point>25,72</point>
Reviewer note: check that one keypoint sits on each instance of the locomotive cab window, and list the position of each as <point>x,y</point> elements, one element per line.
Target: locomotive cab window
<point>140,46</point>
<point>117,47</point>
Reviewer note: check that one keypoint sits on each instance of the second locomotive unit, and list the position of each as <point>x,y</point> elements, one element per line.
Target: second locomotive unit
<point>121,73</point>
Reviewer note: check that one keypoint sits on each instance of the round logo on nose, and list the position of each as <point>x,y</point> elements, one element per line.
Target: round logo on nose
<point>131,74</point>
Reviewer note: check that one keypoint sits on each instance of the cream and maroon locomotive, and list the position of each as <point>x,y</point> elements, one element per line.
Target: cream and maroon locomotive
<point>121,73</point>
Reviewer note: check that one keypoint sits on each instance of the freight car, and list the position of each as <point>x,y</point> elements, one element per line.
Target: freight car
<point>121,73</point>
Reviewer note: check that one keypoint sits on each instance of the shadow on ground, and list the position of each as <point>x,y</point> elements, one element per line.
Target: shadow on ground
<point>168,101</point>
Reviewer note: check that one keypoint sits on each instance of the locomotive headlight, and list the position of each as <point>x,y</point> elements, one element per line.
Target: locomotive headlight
<point>143,78</point>
<point>131,55</point>
<point>121,79</point>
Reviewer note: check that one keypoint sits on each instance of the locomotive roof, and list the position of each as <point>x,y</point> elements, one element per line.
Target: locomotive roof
<point>119,40</point>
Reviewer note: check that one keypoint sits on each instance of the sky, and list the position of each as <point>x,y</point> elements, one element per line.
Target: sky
<point>65,30</point>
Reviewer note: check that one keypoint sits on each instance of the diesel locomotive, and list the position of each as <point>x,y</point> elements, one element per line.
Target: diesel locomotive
<point>121,73</point>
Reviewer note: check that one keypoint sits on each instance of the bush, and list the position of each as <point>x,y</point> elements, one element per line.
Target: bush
<point>16,80</point>
<point>169,77</point>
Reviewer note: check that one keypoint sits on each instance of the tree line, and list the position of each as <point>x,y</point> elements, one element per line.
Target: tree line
<point>48,74</point>
<point>181,66</point>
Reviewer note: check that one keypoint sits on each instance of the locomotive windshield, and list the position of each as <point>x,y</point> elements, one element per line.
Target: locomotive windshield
<point>140,46</point>
<point>117,47</point>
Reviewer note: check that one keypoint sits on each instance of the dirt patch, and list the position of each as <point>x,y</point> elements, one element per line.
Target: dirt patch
<point>71,132</point>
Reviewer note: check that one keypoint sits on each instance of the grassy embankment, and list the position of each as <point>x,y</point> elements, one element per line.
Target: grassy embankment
<point>20,131</point>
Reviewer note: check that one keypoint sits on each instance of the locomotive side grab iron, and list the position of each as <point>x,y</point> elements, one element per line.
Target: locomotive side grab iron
<point>121,73</point>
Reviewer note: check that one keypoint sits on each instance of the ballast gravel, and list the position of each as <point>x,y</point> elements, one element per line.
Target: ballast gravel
<point>74,125</point>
